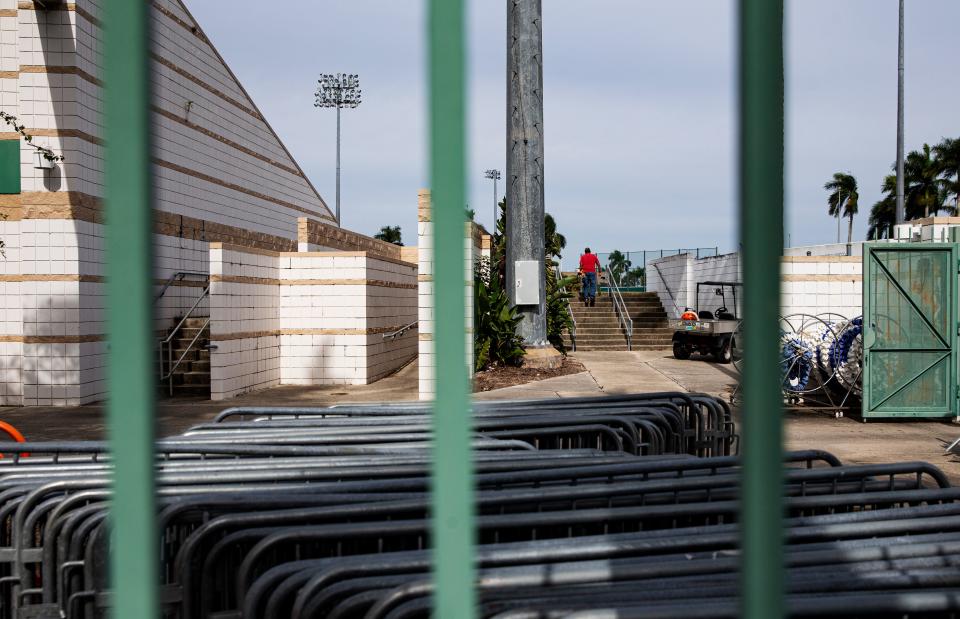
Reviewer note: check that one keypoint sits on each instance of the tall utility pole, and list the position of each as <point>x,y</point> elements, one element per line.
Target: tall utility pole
<point>495,176</point>
<point>900,212</point>
<point>339,91</point>
<point>525,198</point>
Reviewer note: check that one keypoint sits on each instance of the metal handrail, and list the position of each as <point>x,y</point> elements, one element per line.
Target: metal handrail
<point>183,356</point>
<point>166,342</point>
<point>176,277</point>
<point>573,320</point>
<point>620,305</point>
<point>399,332</point>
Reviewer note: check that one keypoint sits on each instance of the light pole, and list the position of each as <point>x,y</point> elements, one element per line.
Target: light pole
<point>339,91</point>
<point>494,175</point>
<point>900,215</point>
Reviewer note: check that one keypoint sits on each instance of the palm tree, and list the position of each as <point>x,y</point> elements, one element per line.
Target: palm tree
<point>923,187</point>
<point>635,277</point>
<point>390,234</point>
<point>843,199</point>
<point>618,263</point>
<point>947,153</point>
<point>554,242</point>
<point>883,216</point>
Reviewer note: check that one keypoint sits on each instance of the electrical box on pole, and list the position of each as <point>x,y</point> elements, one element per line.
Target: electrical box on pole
<point>527,282</point>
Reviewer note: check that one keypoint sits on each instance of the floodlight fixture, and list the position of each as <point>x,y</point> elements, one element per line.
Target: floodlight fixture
<point>340,90</point>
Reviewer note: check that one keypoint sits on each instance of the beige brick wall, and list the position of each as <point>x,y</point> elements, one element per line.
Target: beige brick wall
<point>472,245</point>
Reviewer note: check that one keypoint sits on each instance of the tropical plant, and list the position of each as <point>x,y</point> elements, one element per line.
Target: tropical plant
<point>390,234</point>
<point>883,216</point>
<point>557,295</point>
<point>495,327</point>
<point>553,241</point>
<point>619,264</point>
<point>45,152</point>
<point>947,154</point>
<point>558,305</point>
<point>923,187</point>
<point>636,276</point>
<point>843,199</point>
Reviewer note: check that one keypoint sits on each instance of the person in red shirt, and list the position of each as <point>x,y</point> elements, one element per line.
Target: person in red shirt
<point>590,267</point>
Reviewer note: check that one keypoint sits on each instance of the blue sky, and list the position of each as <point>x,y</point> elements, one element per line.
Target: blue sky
<point>639,103</point>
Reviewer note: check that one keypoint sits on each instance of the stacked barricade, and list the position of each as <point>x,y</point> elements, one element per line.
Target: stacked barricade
<point>622,507</point>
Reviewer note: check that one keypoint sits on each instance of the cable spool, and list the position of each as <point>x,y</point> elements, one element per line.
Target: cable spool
<point>796,364</point>
<point>804,342</point>
<point>848,356</point>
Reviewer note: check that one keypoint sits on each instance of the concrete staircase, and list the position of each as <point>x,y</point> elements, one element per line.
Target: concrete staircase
<point>599,329</point>
<point>192,376</point>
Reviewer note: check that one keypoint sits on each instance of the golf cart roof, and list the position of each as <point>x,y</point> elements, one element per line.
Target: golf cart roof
<point>719,284</point>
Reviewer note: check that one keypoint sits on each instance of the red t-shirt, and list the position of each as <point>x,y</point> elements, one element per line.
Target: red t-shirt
<point>589,263</point>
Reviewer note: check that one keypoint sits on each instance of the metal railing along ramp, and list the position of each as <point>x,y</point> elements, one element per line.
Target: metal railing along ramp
<point>623,314</point>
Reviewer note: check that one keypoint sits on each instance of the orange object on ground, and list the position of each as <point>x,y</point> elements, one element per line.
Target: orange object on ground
<point>14,434</point>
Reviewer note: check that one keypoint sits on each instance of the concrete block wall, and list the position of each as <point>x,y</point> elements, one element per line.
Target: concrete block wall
<point>335,309</point>
<point>723,268</point>
<point>244,320</point>
<point>473,250</point>
<point>671,279</point>
<point>307,318</point>
<point>821,284</point>
<point>221,174</point>
<point>809,284</point>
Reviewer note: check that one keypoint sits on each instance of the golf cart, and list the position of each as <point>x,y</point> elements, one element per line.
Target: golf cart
<point>706,331</point>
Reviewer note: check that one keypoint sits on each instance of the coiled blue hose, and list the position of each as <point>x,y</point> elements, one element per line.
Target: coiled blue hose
<point>796,363</point>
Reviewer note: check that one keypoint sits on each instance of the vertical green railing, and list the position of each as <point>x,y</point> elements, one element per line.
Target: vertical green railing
<point>452,497</point>
<point>761,231</point>
<point>126,114</point>
<point>127,172</point>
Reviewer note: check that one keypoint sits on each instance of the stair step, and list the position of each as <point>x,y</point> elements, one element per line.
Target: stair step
<point>189,390</point>
<point>196,378</point>
<point>194,354</point>
<point>195,322</point>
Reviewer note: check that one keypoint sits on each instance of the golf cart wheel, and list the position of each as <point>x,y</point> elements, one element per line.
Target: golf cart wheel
<point>680,351</point>
<point>723,353</point>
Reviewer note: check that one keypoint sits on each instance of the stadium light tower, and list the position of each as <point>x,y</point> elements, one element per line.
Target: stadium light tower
<point>339,91</point>
<point>493,175</point>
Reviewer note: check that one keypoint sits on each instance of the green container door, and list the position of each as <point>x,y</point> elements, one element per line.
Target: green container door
<point>910,330</point>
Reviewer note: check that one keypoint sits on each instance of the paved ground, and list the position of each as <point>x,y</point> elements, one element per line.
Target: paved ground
<point>176,415</point>
<point>848,438</point>
<point>607,372</point>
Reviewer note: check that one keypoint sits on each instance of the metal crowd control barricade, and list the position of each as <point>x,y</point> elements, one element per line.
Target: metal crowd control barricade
<point>324,512</point>
<point>134,570</point>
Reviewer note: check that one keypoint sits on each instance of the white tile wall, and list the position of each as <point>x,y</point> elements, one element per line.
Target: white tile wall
<point>251,363</point>
<point>343,358</point>
<point>427,361</point>
<point>804,291</point>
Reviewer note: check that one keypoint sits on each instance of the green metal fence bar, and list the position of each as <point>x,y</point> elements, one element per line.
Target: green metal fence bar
<point>761,231</point>
<point>129,307</point>
<point>452,496</point>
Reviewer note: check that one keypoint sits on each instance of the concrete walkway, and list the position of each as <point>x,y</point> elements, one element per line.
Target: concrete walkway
<point>607,373</point>
<point>43,423</point>
<point>848,438</point>
<point>618,372</point>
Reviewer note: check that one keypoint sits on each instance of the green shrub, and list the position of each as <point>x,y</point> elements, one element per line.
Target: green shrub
<point>495,326</point>
<point>558,302</point>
